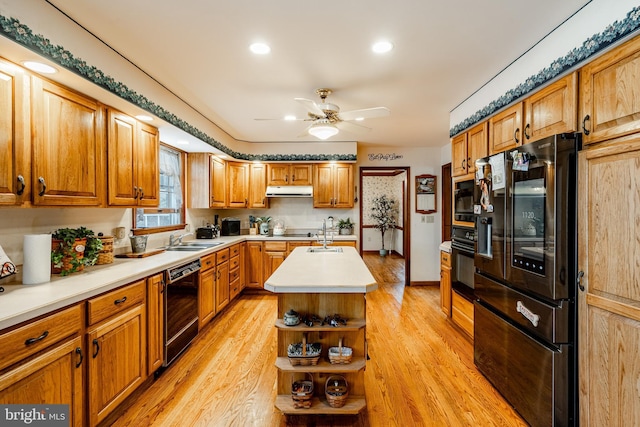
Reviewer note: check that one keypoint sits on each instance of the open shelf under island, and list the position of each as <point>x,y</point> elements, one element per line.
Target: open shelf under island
<point>322,284</point>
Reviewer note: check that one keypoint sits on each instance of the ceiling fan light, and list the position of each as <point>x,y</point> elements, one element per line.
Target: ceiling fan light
<point>323,130</point>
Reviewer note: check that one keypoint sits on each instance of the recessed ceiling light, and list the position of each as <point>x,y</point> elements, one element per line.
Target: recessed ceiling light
<point>260,48</point>
<point>382,47</point>
<point>289,118</point>
<point>39,67</point>
<point>144,118</point>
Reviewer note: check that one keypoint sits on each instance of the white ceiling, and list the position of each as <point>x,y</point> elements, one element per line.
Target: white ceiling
<point>444,51</point>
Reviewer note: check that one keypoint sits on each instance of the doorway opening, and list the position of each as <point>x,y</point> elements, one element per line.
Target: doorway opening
<point>392,181</point>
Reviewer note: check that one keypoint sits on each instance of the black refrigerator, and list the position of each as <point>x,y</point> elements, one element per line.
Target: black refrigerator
<point>525,282</point>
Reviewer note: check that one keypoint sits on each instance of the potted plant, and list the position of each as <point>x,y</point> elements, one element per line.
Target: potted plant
<point>383,212</point>
<point>345,226</point>
<point>72,249</point>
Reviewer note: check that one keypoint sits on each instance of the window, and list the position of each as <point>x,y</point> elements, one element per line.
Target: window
<point>169,215</point>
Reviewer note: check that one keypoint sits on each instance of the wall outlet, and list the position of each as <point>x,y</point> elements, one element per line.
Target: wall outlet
<point>430,219</point>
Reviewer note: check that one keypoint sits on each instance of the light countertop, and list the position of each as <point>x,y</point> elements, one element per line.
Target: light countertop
<point>324,272</point>
<point>445,246</point>
<point>19,302</point>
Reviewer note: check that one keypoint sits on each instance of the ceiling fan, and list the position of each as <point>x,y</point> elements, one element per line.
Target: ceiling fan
<point>327,119</point>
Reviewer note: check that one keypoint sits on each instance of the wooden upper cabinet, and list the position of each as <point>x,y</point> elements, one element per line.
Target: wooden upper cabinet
<point>218,183</point>
<point>552,110</point>
<point>133,151</point>
<point>459,155</point>
<point>148,167</point>
<point>238,184</point>
<point>68,167</point>
<point>609,94</point>
<point>333,186</point>
<point>467,148</point>
<point>505,129</point>
<point>258,186</point>
<point>15,136</point>
<point>289,174</point>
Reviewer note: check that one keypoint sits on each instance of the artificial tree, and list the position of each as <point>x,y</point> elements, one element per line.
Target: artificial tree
<point>383,212</point>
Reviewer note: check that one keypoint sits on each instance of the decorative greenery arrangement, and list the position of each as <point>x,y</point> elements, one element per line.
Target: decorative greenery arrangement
<point>383,211</point>
<point>70,255</point>
<point>262,219</point>
<point>345,226</point>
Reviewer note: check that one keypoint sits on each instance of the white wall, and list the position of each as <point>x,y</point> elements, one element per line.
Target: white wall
<point>425,236</point>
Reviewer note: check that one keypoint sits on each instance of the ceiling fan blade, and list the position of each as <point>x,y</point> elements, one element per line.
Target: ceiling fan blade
<point>285,120</point>
<point>311,106</point>
<point>365,113</point>
<point>352,127</point>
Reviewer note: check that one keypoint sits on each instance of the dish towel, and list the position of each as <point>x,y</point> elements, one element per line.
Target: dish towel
<point>7,267</point>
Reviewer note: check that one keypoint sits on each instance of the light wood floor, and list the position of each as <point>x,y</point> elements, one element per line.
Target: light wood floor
<point>420,372</point>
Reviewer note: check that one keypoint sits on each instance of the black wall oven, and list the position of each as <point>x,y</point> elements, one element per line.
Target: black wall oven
<point>525,314</point>
<point>462,268</point>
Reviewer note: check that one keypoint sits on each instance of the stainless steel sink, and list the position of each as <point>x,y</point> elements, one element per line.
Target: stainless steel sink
<point>184,248</point>
<point>192,246</point>
<point>200,244</point>
<point>325,250</point>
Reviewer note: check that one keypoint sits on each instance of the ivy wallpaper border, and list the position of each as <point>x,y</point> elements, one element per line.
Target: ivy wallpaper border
<point>590,47</point>
<point>13,29</point>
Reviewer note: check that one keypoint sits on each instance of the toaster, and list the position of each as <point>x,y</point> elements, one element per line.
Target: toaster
<point>207,232</point>
<point>230,227</point>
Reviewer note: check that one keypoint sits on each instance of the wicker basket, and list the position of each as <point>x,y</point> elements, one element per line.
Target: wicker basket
<point>302,392</point>
<point>340,355</point>
<point>105,256</point>
<point>304,354</point>
<point>336,390</point>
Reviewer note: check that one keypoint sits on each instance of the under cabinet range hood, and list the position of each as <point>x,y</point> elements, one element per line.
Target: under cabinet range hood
<point>290,191</point>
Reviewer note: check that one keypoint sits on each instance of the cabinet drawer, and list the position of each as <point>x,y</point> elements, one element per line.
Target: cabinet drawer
<point>222,255</point>
<point>234,250</point>
<point>208,261</point>
<point>234,288</point>
<point>280,246</point>
<point>39,335</point>
<point>114,302</point>
<point>234,262</point>
<point>234,274</point>
<point>445,259</point>
<point>462,312</point>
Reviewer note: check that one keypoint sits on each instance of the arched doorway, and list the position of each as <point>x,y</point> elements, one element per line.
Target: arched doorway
<point>396,180</point>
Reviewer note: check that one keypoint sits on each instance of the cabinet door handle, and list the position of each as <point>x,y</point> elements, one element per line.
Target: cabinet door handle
<point>21,185</point>
<point>515,135</point>
<point>44,186</point>
<point>584,124</point>
<point>34,340</point>
<point>264,200</point>
<point>141,193</point>
<point>464,163</point>
<point>246,202</point>
<point>96,344</point>
<point>286,178</point>
<point>135,192</point>
<point>579,280</point>
<point>162,285</point>
<point>120,301</point>
<point>79,353</point>
<point>293,178</point>
<point>526,135</point>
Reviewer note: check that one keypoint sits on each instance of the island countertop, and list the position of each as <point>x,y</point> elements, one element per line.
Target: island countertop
<point>322,272</point>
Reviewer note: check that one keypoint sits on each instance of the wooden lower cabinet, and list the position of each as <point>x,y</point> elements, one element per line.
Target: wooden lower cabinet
<point>207,290</point>
<point>54,377</point>
<point>222,285</point>
<point>253,265</point>
<point>445,283</point>
<point>116,361</point>
<point>608,294</point>
<point>462,312</point>
<point>155,322</point>
<point>275,253</point>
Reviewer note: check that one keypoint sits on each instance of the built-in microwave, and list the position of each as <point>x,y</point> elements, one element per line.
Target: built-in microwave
<point>463,200</point>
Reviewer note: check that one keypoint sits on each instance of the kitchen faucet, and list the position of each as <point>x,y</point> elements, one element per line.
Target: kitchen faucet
<point>175,241</point>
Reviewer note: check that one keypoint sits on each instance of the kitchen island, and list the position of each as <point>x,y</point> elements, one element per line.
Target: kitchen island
<point>313,281</point>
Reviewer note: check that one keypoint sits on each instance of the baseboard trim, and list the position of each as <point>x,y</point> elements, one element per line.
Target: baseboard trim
<point>425,283</point>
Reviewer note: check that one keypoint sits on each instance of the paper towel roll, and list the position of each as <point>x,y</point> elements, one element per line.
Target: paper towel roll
<point>37,259</point>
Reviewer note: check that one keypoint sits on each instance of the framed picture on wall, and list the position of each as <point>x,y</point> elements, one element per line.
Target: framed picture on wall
<point>426,194</point>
